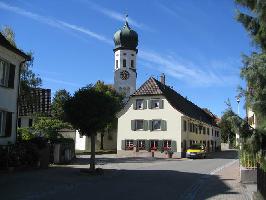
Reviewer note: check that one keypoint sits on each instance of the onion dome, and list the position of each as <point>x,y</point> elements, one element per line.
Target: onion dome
<point>126,38</point>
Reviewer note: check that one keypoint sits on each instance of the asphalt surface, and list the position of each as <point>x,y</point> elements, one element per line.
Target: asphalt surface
<point>123,178</point>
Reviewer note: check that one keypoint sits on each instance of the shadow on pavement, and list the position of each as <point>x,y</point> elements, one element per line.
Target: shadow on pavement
<point>105,160</point>
<point>228,154</point>
<point>68,183</point>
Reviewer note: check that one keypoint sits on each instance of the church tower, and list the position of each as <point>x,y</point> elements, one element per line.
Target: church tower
<point>125,68</point>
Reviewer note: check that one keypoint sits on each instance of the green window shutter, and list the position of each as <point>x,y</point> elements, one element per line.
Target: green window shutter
<point>144,104</point>
<point>146,125</point>
<point>161,104</point>
<point>160,145</point>
<point>173,146</point>
<point>150,125</point>
<point>135,104</point>
<point>147,145</point>
<point>149,104</point>
<point>11,77</point>
<point>164,125</point>
<point>8,128</point>
<point>133,125</point>
<point>123,144</point>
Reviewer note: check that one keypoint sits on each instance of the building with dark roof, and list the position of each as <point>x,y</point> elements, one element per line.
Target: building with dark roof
<point>32,103</point>
<point>157,118</point>
<point>11,60</point>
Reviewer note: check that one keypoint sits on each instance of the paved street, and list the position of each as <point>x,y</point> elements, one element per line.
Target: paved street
<point>127,178</point>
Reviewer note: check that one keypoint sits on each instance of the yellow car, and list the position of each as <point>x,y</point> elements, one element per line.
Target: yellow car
<point>196,151</point>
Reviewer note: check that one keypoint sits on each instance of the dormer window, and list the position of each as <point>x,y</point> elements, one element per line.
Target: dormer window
<point>155,103</point>
<point>139,104</point>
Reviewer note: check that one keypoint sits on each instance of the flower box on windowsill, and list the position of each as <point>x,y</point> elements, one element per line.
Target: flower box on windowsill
<point>129,148</point>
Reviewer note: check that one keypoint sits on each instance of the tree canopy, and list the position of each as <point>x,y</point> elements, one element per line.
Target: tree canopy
<point>91,109</point>
<point>60,97</point>
<point>253,18</point>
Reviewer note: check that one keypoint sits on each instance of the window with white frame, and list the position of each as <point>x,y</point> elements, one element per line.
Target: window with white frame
<point>155,103</point>
<point>4,69</point>
<point>154,145</point>
<point>167,144</point>
<point>141,144</point>
<point>139,124</point>
<point>140,104</point>
<point>156,124</point>
<point>129,144</point>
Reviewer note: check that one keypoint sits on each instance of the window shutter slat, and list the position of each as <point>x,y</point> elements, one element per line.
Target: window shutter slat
<point>11,77</point>
<point>149,104</point>
<point>173,146</point>
<point>146,125</point>
<point>8,128</point>
<point>144,104</point>
<point>133,125</point>
<point>161,104</point>
<point>123,144</point>
<point>147,145</point>
<point>164,125</point>
<point>150,125</point>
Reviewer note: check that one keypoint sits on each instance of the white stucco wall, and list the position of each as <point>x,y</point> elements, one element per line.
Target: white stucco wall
<point>168,113</point>
<point>131,81</point>
<point>8,96</point>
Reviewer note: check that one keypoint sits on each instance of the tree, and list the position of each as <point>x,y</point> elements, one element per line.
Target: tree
<point>90,110</point>
<point>108,89</point>
<point>60,97</point>
<point>253,18</point>
<point>9,35</point>
<point>48,127</point>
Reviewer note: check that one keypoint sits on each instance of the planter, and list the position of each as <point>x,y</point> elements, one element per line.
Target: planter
<point>248,175</point>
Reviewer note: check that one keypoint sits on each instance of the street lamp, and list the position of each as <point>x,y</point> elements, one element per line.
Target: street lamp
<point>237,134</point>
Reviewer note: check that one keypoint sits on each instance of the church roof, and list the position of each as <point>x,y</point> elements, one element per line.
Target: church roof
<point>180,103</point>
<point>5,43</point>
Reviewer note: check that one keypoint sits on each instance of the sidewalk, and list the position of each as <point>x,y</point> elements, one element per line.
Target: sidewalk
<point>226,184</point>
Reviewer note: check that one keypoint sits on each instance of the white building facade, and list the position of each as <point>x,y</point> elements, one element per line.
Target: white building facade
<point>11,59</point>
<point>157,119</point>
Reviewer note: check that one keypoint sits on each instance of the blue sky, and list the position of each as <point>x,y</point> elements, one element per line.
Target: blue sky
<point>196,43</point>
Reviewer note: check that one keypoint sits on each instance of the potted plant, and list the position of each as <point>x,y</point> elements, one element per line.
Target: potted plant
<point>169,153</point>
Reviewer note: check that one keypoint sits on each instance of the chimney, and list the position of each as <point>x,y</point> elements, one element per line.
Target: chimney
<point>162,78</point>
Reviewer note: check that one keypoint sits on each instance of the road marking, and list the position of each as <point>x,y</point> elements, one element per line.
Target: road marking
<point>191,192</point>
<point>222,167</point>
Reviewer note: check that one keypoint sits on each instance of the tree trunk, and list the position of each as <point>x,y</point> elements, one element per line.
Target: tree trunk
<point>92,161</point>
<point>102,135</point>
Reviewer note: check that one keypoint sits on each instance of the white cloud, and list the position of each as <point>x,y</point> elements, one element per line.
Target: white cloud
<point>191,73</point>
<point>116,15</point>
<point>63,82</point>
<point>54,22</point>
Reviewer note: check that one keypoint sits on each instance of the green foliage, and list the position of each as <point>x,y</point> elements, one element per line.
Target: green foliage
<point>9,34</point>
<point>92,108</point>
<point>60,97</point>
<point>253,18</point>
<point>48,127</point>
<point>25,133</point>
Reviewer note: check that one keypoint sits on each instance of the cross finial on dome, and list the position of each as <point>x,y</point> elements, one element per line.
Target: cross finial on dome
<point>126,19</point>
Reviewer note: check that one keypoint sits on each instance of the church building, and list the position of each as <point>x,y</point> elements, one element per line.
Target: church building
<point>155,118</point>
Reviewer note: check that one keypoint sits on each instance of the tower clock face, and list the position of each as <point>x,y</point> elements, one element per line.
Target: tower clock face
<point>124,75</point>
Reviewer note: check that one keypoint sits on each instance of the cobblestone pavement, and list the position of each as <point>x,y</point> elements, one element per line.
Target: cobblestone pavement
<point>226,187</point>
<point>129,178</point>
